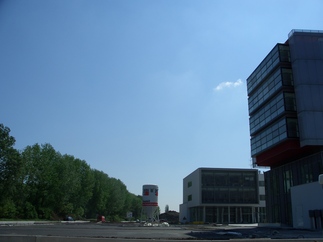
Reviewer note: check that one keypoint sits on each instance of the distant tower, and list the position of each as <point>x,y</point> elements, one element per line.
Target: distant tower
<point>150,210</point>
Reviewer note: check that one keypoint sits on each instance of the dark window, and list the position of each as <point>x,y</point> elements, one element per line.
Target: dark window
<point>292,127</point>
<point>284,53</point>
<point>207,179</point>
<point>208,196</point>
<point>290,102</point>
<point>287,77</point>
<point>229,187</point>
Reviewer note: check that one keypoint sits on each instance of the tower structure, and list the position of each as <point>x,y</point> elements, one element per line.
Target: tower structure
<point>150,211</point>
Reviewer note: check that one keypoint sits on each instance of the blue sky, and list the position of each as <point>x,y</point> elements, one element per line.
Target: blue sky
<point>146,91</point>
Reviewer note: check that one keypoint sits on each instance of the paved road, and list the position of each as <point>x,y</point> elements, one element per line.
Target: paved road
<point>96,231</point>
<point>134,231</point>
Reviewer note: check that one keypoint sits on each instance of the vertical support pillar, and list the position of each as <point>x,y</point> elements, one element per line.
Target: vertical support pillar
<point>222,215</point>
<point>241,218</point>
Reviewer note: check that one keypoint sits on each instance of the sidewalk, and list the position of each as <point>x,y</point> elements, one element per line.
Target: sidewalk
<point>22,223</point>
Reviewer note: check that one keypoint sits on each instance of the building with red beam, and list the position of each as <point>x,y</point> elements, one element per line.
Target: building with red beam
<point>285,101</point>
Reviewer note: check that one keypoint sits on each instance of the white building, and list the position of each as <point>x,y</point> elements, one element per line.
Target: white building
<point>307,209</point>
<point>218,195</point>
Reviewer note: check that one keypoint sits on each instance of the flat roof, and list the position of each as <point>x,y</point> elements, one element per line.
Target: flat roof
<point>303,31</point>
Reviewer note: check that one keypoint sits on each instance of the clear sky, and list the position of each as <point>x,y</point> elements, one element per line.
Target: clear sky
<point>146,91</point>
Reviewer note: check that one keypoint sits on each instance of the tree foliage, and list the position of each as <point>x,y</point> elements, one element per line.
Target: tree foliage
<point>10,168</point>
<point>39,182</point>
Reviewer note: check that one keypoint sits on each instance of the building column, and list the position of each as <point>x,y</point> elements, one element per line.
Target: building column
<point>241,218</point>
<point>253,215</point>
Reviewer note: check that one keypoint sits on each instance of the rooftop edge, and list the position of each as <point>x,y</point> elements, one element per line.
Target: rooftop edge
<point>303,31</point>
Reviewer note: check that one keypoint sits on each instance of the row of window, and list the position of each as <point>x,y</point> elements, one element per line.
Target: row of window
<point>284,128</point>
<point>269,112</point>
<point>270,136</point>
<point>281,103</point>
<point>232,196</point>
<point>266,66</point>
<point>237,195</point>
<point>281,77</point>
<point>226,215</point>
<point>280,53</point>
<point>260,184</point>
<point>217,179</point>
<point>229,179</point>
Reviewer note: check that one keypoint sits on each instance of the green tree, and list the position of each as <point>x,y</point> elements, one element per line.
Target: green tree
<point>10,169</point>
<point>40,178</point>
<point>55,185</point>
<point>136,205</point>
<point>117,199</point>
<point>98,204</point>
<point>80,185</point>
<point>73,186</point>
<point>39,182</point>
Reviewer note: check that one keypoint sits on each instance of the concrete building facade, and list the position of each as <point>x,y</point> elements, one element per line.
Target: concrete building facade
<point>285,99</point>
<point>222,196</point>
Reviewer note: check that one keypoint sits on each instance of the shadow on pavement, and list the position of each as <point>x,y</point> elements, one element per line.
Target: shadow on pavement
<point>253,233</point>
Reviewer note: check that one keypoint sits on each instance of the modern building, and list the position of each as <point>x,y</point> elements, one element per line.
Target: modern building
<point>222,196</point>
<point>285,98</point>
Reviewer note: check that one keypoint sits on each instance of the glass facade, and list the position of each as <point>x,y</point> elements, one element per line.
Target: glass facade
<point>225,196</point>
<point>268,137</point>
<point>234,187</point>
<point>277,106</point>
<point>280,53</point>
<point>272,105</point>
<point>196,214</point>
<point>285,108</point>
<point>273,83</point>
<point>275,133</point>
<point>265,67</point>
<point>227,214</point>
<point>272,110</point>
<point>273,117</point>
<point>278,80</point>
<point>279,180</point>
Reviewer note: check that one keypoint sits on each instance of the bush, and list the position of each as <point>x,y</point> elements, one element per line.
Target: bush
<point>30,211</point>
<point>114,218</point>
<point>45,213</point>
<point>79,213</point>
<point>8,209</point>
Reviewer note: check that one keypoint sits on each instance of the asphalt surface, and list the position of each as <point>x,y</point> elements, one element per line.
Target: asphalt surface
<point>173,232</point>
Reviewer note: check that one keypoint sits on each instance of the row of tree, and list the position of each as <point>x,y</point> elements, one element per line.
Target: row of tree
<point>39,182</point>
